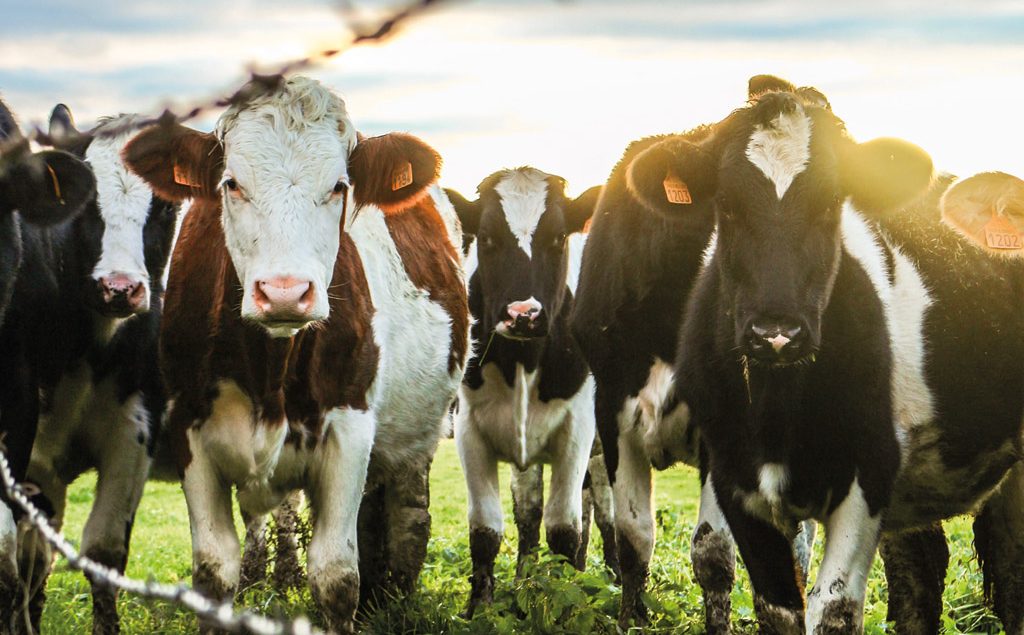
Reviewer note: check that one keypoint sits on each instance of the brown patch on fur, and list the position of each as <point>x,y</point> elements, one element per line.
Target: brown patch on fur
<point>915,571</point>
<point>176,161</point>
<point>774,619</point>
<point>337,602</point>
<point>714,569</point>
<point>632,611</point>
<point>376,159</point>
<point>431,262</point>
<point>484,543</point>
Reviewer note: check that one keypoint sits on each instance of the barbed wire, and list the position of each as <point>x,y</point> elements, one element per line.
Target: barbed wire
<point>218,614</point>
<point>258,84</point>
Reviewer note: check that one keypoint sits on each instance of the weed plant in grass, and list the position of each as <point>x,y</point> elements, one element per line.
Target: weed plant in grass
<point>551,596</point>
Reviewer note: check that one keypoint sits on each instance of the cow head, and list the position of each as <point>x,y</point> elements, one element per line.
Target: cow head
<point>281,166</point>
<point>521,220</point>
<point>988,209</point>
<point>779,173</point>
<point>46,187</point>
<point>123,236</point>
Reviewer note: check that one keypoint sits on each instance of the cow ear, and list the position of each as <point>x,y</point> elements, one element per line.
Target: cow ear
<point>988,209</point>
<point>49,187</point>
<point>671,176</point>
<point>468,211</point>
<point>760,84</point>
<point>580,209</point>
<point>392,171</point>
<point>885,174</point>
<point>176,161</point>
<point>62,123</point>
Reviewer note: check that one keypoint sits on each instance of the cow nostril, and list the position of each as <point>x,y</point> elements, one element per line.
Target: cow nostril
<point>306,300</point>
<point>260,298</point>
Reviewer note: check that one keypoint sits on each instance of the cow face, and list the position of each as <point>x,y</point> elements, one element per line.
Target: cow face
<point>281,166</point>
<point>520,221</point>
<point>988,210</point>
<point>780,173</point>
<point>123,236</point>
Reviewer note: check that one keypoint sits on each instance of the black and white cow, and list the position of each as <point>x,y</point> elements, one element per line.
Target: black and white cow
<point>527,397</point>
<point>84,324</point>
<point>44,189</point>
<point>844,362</point>
<point>641,259</point>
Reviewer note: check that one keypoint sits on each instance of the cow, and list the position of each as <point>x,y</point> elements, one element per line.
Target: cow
<point>37,191</point>
<point>832,360</point>
<point>639,264</point>
<point>527,397</point>
<point>315,316</point>
<point>83,325</point>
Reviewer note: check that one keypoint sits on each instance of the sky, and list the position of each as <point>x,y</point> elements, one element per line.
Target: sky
<point>563,86</point>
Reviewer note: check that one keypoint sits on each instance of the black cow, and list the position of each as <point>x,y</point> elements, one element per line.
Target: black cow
<point>527,397</point>
<point>644,252</point>
<point>844,362</point>
<point>44,189</point>
<point>81,331</point>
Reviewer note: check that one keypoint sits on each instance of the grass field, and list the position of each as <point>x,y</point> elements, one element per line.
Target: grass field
<point>550,598</point>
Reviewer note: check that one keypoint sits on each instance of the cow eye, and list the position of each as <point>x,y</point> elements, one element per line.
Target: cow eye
<point>487,242</point>
<point>558,241</point>
<point>231,186</point>
<point>340,187</point>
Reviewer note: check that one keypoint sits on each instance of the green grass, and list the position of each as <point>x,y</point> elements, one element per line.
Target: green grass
<point>551,598</point>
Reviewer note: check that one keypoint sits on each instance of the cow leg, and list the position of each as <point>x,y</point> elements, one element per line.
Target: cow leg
<point>836,603</point>
<point>604,512</point>
<point>528,508</point>
<point>915,571</point>
<point>35,555</point>
<point>10,583</point>
<point>564,509</point>
<point>768,556</point>
<point>587,519</point>
<point>486,524</point>
<point>338,476</point>
<point>406,500</point>
<point>634,526</point>
<point>105,539</point>
<point>999,541</point>
<point>713,556</point>
<point>372,532</point>
<point>803,546</point>
<point>254,554</point>
<point>288,572</point>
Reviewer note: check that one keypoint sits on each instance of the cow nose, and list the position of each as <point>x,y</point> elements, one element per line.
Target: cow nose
<point>119,288</point>
<point>777,340</point>
<point>527,310</point>
<point>284,298</point>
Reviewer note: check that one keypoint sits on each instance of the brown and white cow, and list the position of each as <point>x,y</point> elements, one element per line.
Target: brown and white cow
<point>315,312</point>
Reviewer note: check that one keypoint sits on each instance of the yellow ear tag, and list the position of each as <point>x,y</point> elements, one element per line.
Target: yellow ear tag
<point>1001,234</point>
<point>402,177</point>
<point>56,184</point>
<point>181,177</point>
<point>676,191</point>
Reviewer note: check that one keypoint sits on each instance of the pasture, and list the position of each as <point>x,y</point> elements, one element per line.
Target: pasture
<point>553,598</point>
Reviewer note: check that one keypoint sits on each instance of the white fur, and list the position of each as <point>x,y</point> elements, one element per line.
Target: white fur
<point>782,148</point>
<point>124,201</point>
<point>773,478</point>
<point>851,538</point>
<point>286,151</point>
<point>575,242</point>
<point>498,422</point>
<point>523,196</point>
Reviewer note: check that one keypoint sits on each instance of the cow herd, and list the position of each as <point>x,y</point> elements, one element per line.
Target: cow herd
<point>826,329</point>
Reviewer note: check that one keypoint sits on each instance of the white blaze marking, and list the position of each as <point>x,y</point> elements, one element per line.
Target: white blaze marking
<point>782,149</point>
<point>524,195</point>
<point>772,481</point>
<point>124,201</point>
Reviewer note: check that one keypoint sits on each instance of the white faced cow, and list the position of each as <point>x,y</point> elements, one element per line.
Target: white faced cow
<point>848,361</point>
<point>527,397</point>
<point>316,313</point>
<point>38,191</point>
<point>83,325</point>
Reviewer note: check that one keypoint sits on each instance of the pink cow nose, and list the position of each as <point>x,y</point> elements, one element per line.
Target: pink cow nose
<point>284,298</point>
<point>119,288</point>
<point>528,309</point>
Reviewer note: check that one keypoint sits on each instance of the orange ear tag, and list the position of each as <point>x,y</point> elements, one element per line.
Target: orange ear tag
<point>676,191</point>
<point>56,184</point>
<point>181,176</point>
<point>1001,234</point>
<point>401,177</point>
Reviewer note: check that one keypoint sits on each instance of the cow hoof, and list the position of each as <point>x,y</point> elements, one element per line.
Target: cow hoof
<point>337,600</point>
